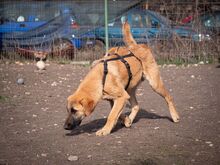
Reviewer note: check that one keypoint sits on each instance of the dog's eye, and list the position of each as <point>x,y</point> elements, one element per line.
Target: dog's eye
<point>37,59</point>
<point>73,110</point>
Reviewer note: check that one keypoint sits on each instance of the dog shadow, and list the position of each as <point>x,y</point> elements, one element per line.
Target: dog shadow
<point>97,124</point>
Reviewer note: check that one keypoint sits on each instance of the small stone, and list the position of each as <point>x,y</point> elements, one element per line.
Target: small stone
<point>40,65</point>
<point>16,132</point>
<point>201,62</point>
<point>171,65</point>
<point>27,93</point>
<point>58,152</point>
<point>192,76</point>
<point>20,81</point>
<point>54,84</point>
<point>44,155</point>
<point>55,124</point>
<point>208,142</point>
<point>19,63</point>
<point>156,128</point>
<point>210,145</point>
<point>73,158</point>
<point>191,107</point>
<point>139,94</point>
<point>89,156</point>
<point>34,115</point>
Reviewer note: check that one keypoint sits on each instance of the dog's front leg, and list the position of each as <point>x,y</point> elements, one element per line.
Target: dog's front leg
<point>113,116</point>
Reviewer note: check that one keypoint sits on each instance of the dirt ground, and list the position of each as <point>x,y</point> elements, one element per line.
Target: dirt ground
<point>33,114</point>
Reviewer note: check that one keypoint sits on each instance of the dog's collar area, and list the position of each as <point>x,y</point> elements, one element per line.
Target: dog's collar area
<point>40,59</point>
<point>122,59</point>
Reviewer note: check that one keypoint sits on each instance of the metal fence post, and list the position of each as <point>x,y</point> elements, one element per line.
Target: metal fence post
<point>106,26</point>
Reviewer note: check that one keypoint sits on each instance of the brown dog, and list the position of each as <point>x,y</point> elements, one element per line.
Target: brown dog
<point>92,89</point>
<point>150,68</point>
<point>115,85</point>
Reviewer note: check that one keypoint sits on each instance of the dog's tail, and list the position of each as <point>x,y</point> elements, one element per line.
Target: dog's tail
<point>127,35</point>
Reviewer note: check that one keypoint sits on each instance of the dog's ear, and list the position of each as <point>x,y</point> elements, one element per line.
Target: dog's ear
<point>69,102</point>
<point>73,102</point>
<point>88,105</point>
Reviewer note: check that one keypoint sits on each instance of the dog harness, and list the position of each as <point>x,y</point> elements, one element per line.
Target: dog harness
<point>122,59</point>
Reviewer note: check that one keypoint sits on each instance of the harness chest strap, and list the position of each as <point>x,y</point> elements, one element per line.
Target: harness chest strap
<point>121,58</point>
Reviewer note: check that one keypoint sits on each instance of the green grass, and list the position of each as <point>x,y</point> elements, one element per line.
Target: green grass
<point>63,62</point>
<point>175,61</point>
<point>3,98</point>
<point>195,58</point>
<point>180,61</point>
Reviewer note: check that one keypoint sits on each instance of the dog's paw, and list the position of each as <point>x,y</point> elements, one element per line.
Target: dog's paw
<point>102,132</point>
<point>175,118</point>
<point>127,122</point>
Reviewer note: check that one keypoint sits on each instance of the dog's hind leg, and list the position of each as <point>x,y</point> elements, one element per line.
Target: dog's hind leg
<point>153,76</point>
<point>128,120</point>
<point>111,103</point>
<point>114,115</point>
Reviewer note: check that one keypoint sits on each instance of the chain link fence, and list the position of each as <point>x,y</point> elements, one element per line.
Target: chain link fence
<point>177,31</point>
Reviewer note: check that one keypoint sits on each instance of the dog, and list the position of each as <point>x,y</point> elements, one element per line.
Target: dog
<point>38,55</point>
<point>93,88</point>
<point>115,78</point>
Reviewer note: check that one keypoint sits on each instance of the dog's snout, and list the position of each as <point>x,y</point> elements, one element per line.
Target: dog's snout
<point>67,126</point>
<point>73,120</point>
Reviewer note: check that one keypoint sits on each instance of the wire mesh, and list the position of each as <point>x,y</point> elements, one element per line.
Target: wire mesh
<point>74,29</point>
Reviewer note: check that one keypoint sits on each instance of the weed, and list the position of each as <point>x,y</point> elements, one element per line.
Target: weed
<point>3,98</point>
